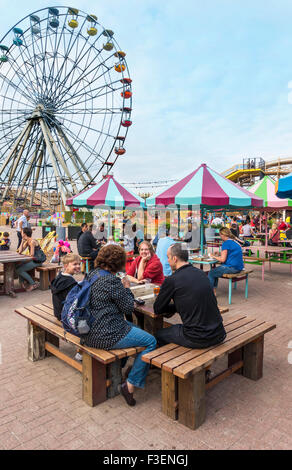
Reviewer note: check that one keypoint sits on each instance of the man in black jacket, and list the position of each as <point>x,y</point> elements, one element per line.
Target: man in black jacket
<point>188,292</point>
<point>87,245</point>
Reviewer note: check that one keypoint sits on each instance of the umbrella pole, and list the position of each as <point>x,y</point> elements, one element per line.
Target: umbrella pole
<point>202,231</point>
<point>266,237</point>
<point>108,223</point>
<point>145,223</point>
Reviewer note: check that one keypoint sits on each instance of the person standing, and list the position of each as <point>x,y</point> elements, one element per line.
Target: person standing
<point>161,251</point>
<point>21,223</point>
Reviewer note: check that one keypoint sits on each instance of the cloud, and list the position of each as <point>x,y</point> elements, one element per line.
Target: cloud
<point>210,81</point>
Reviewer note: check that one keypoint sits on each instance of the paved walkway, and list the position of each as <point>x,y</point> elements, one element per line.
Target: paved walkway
<point>41,405</point>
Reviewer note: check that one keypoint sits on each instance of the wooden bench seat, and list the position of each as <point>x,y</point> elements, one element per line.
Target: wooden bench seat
<point>47,272</point>
<point>183,377</point>
<point>101,369</point>
<point>234,278</point>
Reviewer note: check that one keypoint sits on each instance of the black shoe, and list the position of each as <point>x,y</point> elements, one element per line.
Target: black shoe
<point>127,395</point>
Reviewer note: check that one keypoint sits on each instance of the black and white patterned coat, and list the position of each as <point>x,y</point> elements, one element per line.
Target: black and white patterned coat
<point>110,301</point>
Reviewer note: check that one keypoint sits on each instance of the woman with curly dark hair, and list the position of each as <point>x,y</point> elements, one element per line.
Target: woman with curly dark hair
<point>112,304</point>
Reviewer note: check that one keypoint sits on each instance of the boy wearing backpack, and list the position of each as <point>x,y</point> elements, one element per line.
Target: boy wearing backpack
<point>64,282</point>
<point>62,285</point>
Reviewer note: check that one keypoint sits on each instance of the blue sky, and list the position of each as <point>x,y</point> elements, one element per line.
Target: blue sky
<point>210,80</point>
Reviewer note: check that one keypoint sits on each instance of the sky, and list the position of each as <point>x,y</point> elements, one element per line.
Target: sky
<point>211,80</point>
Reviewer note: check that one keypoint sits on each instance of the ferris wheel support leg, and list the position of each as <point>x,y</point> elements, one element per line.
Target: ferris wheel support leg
<point>74,154</point>
<point>39,164</point>
<point>58,154</point>
<point>16,162</point>
<point>74,157</point>
<point>14,148</point>
<point>53,160</point>
<point>29,169</point>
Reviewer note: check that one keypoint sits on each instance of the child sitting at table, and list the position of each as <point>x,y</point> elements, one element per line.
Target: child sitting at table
<point>5,242</point>
<point>62,285</point>
<point>64,282</point>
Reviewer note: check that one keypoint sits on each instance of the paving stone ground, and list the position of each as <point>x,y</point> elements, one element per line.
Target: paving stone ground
<point>41,405</point>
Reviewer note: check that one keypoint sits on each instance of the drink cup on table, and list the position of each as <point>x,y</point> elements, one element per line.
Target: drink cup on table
<point>156,291</point>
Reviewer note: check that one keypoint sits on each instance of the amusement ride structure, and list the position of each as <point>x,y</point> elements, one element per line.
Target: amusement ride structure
<point>66,102</point>
<point>251,169</point>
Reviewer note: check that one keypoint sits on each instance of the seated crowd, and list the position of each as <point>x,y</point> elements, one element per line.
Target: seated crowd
<point>185,290</point>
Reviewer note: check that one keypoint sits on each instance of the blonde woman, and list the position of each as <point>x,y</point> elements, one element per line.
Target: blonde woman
<point>231,258</point>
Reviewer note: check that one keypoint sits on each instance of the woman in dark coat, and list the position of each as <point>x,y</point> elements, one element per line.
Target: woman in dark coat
<point>111,303</point>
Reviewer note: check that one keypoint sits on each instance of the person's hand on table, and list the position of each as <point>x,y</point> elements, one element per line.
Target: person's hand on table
<point>126,282</point>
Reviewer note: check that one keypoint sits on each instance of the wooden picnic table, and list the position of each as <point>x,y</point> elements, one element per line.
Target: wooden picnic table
<point>272,254</point>
<point>204,261</point>
<point>9,260</point>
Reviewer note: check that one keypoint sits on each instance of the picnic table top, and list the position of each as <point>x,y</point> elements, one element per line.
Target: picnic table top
<point>147,309</point>
<point>268,249</point>
<point>203,260</point>
<point>12,257</point>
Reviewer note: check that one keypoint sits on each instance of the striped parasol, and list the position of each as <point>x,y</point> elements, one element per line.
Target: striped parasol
<point>206,188</point>
<point>108,193</point>
<point>265,188</point>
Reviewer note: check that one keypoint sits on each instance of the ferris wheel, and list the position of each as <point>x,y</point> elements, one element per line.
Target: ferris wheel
<point>66,102</point>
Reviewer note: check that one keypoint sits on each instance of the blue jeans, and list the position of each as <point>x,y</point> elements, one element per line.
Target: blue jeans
<point>218,272</point>
<point>137,337</point>
<point>22,273</point>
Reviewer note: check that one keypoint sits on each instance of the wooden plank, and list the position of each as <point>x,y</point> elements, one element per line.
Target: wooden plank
<point>46,316</point>
<point>169,355</point>
<point>115,377</point>
<point>44,280</point>
<point>253,356</point>
<point>158,352</point>
<point>223,375</point>
<point>191,400</point>
<point>235,357</point>
<point>241,273</point>
<point>169,394</point>
<point>204,354</point>
<point>100,354</point>
<point>181,358</point>
<point>94,380</point>
<point>152,325</point>
<point>36,342</point>
<point>228,320</point>
<point>224,348</point>
<point>223,309</point>
<point>52,339</point>
<point>64,357</point>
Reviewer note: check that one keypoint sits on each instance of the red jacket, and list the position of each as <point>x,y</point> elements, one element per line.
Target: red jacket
<point>153,270</point>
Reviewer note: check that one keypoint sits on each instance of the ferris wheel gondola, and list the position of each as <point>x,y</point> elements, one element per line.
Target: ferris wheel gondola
<point>64,85</point>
